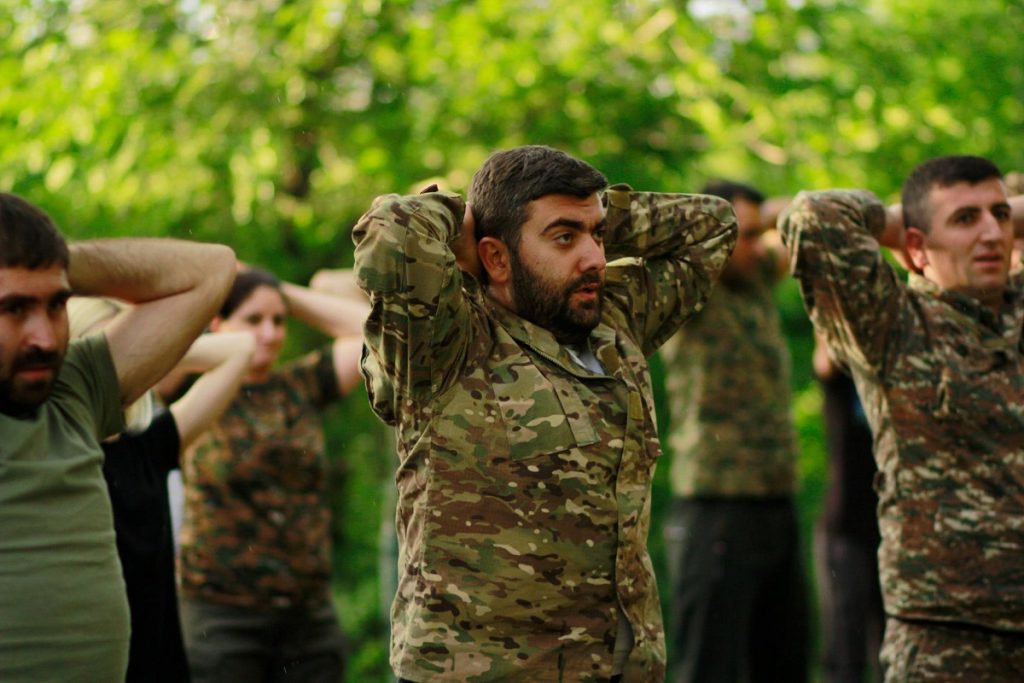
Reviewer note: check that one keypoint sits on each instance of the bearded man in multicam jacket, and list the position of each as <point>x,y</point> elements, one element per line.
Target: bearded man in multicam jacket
<point>511,357</point>
<point>939,364</point>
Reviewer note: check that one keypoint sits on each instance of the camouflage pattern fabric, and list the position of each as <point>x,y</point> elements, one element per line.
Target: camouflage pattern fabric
<point>940,653</point>
<point>727,373</point>
<point>942,382</point>
<point>257,525</point>
<point>524,483</point>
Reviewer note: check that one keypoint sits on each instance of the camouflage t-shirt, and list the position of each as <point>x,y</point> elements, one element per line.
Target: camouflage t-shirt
<point>257,526</point>
<point>942,382</point>
<point>524,484</point>
<point>727,376</point>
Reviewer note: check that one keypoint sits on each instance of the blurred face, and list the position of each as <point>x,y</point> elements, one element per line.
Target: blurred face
<point>264,314</point>
<point>33,335</point>
<point>558,269</point>
<point>750,250</point>
<point>969,242</point>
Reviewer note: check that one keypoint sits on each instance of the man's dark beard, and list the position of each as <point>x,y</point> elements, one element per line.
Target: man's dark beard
<point>552,309</point>
<point>24,401</point>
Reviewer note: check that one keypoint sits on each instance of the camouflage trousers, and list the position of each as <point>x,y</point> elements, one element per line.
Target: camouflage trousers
<point>934,652</point>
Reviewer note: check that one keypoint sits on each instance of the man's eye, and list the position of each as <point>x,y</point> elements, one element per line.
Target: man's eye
<point>1002,214</point>
<point>253,320</point>
<point>564,238</point>
<point>599,235</point>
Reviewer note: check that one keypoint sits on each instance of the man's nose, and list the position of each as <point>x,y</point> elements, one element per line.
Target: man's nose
<point>592,257</point>
<point>41,332</point>
<point>992,228</point>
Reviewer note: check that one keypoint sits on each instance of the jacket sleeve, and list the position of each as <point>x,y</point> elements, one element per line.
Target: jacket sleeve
<point>850,292</point>
<point>665,253</point>
<point>418,328</point>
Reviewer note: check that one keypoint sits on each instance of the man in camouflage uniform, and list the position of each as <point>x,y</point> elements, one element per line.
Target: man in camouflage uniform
<point>938,364</point>
<point>738,585</point>
<point>525,421</point>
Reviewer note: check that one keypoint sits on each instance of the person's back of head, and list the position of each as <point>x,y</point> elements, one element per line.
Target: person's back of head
<point>510,179</point>
<point>730,191</point>
<point>28,238</point>
<point>942,171</point>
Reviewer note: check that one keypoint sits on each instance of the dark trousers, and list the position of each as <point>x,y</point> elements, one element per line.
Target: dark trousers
<point>853,619</point>
<point>739,608</point>
<point>227,644</point>
<point>613,679</point>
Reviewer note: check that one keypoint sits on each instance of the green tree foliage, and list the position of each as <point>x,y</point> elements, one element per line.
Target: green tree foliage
<point>271,124</point>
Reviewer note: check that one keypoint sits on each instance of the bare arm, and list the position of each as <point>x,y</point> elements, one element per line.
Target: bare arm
<point>224,358</point>
<point>176,285</point>
<point>1017,207</point>
<point>340,317</point>
<point>338,281</point>
<point>771,209</point>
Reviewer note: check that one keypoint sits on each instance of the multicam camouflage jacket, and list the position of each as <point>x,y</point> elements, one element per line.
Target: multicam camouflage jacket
<point>727,375</point>
<point>524,484</point>
<point>942,381</point>
<point>257,523</point>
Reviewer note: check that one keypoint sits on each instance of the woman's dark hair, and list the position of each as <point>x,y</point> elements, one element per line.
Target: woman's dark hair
<point>245,284</point>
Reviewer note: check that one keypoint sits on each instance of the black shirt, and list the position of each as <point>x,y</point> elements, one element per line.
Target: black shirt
<point>136,468</point>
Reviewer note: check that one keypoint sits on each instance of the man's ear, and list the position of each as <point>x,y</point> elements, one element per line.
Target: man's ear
<point>914,244</point>
<point>495,258</point>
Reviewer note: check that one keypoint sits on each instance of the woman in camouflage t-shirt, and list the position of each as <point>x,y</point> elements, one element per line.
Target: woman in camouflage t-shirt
<point>255,545</point>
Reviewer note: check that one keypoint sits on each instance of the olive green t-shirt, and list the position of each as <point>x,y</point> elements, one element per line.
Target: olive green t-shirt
<point>63,611</point>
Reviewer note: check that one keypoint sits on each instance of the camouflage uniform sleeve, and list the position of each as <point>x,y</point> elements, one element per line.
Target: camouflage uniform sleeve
<point>849,291</point>
<point>417,330</point>
<point>674,247</point>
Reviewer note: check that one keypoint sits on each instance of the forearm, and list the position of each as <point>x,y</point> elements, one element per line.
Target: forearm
<point>420,319</point>
<point>143,270</point>
<point>406,237</point>
<point>338,281</point>
<point>329,313</point>
<point>853,296</point>
<point>678,226</point>
<point>177,286</point>
<point>227,356</point>
<point>211,350</point>
<point>677,246</point>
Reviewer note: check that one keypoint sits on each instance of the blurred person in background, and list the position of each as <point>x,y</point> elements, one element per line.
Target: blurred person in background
<point>846,540</point>
<point>256,541</point>
<point>739,608</point>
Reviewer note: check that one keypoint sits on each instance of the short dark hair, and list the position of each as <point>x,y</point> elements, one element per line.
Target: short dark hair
<point>245,284</point>
<point>28,237</point>
<point>940,172</point>
<point>511,179</point>
<point>730,191</point>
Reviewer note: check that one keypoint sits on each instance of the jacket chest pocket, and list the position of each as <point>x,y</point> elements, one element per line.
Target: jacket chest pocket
<point>541,414</point>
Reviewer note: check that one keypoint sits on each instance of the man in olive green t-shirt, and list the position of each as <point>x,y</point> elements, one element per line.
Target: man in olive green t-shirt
<point>63,612</point>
